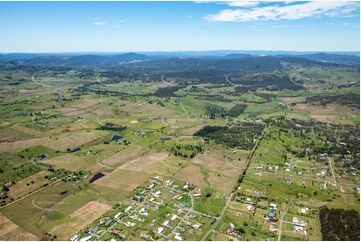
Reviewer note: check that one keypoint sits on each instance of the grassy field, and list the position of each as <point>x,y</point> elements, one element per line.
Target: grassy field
<point>129,132</point>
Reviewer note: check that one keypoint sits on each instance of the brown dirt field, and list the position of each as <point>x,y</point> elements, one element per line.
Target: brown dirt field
<point>146,108</point>
<point>191,174</point>
<point>80,126</point>
<point>213,160</point>
<point>73,140</point>
<point>221,183</point>
<point>75,112</point>
<point>167,167</point>
<point>11,231</point>
<point>22,144</point>
<point>85,103</point>
<point>289,100</point>
<point>145,161</point>
<point>27,130</point>
<point>331,113</point>
<point>79,219</point>
<point>123,156</point>
<point>20,189</point>
<point>122,179</point>
<point>192,130</point>
<point>33,91</point>
<point>68,161</point>
<point>10,135</point>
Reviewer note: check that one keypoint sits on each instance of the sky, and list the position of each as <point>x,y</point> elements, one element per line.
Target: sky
<point>179,26</point>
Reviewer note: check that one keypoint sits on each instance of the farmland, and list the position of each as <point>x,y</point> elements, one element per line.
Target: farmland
<point>252,149</point>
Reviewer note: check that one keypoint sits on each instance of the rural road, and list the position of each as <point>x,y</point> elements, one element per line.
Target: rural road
<point>249,158</point>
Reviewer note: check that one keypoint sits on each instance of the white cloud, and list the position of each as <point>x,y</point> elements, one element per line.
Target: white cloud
<point>100,23</point>
<point>294,11</point>
<point>233,3</point>
<point>243,3</point>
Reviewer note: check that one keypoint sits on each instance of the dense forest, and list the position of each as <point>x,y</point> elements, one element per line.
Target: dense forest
<point>349,99</point>
<point>340,224</point>
<point>242,136</point>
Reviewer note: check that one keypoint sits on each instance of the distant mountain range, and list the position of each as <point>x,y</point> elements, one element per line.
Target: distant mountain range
<point>106,59</point>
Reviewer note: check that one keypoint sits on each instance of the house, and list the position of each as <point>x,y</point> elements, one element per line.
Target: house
<point>160,230</point>
<point>196,226</point>
<point>108,222</point>
<point>130,224</point>
<point>249,207</point>
<point>183,205</point>
<point>96,229</point>
<point>165,223</point>
<point>272,227</point>
<point>186,187</point>
<point>143,212</point>
<point>273,206</point>
<point>74,238</point>
<point>304,210</point>
<point>298,228</point>
<point>178,237</point>
<point>271,214</point>
<point>144,235</point>
<point>282,105</point>
<point>323,185</point>
<point>128,209</point>
<point>295,220</point>
<point>117,215</point>
<point>260,168</point>
<point>86,238</point>
<point>230,230</point>
<point>174,217</point>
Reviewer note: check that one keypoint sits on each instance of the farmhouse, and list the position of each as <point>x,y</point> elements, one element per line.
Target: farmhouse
<point>160,230</point>
<point>178,237</point>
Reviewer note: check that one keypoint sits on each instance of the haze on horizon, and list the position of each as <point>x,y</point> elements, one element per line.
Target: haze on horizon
<point>179,26</point>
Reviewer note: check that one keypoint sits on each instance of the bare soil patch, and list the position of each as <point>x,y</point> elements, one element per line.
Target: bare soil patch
<point>27,130</point>
<point>80,218</point>
<point>9,134</point>
<point>11,231</point>
<point>68,161</point>
<point>26,185</point>
<point>145,161</point>
<point>191,174</point>
<point>221,183</point>
<point>123,156</point>
<point>71,112</point>
<point>22,144</point>
<point>122,180</point>
<point>85,103</point>
<point>146,108</point>
<point>73,140</point>
<point>331,113</point>
<point>215,160</point>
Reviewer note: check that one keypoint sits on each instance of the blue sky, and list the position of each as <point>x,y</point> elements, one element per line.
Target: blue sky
<point>169,26</point>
